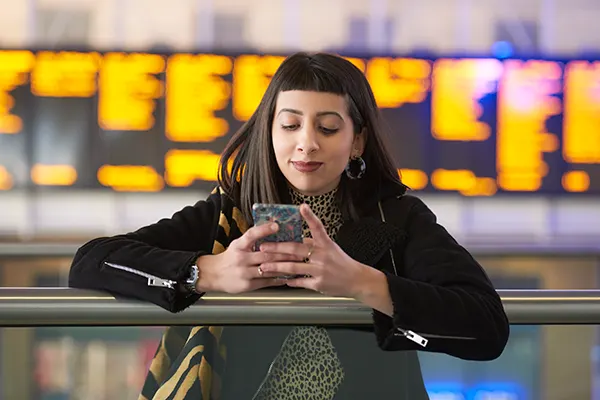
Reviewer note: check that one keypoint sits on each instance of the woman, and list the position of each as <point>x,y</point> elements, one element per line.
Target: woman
<point>315,139</point>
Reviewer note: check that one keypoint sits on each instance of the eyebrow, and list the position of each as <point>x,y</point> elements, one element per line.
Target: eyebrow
<point>319,114</point>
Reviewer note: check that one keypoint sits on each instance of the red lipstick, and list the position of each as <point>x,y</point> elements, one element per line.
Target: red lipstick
<point>311,166</point>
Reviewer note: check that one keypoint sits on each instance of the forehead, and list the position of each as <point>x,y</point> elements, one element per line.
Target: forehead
<point>308,101</point>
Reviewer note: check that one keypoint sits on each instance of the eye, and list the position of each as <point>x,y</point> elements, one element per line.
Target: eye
<point>329,131</point>
<point>289,127</point>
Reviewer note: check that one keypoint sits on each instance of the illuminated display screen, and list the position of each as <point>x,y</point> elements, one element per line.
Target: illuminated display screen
<point>152,122</point>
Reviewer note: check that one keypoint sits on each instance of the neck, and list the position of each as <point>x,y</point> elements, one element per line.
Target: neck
<point>297,192</point>
<point>324,206</point>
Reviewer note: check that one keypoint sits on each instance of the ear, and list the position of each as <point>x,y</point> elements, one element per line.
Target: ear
<point>358,144</point>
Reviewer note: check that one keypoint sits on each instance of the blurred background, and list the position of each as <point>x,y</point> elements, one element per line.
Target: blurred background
<point>113,114</point>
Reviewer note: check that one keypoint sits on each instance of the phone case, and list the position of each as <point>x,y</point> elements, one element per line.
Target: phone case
<point>286,215</point>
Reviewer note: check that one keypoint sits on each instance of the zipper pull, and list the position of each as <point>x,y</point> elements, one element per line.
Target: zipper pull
<point>160,282</point>
<point>414,337</point>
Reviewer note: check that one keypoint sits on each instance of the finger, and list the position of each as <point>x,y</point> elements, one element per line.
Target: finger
<point>289,268</point>
<point>297,250</point>
<point>258,273</point>
<point>306,283</point>
<point>270,275</point>
<point>310,242</point>
<point>246,242</point>
<point>314,224</point>
<point>262,257</point>
<point>256,284</point>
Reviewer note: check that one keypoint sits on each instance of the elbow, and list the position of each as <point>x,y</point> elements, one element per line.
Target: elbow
<point>487,347</point>
<point>499,327</point>
<point>80,265</point>
<point>75,272</point>
<point>491,348</point>
<point>501,334</point>
<point>492,337</point>
<point>488,332</point>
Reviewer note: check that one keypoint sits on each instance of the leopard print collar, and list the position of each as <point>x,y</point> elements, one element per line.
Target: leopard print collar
<point>325,208</point>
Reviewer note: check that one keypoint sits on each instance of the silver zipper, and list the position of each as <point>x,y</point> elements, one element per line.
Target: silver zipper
<point>410,335</point>
<point>391,252</point>
<point>432,336</point>
<point>419,339</point>
<point>152,280</point>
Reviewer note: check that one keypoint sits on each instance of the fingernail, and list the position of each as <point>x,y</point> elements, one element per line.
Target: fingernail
<point>274,227</point>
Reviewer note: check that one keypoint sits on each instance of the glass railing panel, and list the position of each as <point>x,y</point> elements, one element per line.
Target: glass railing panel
<point>55,363</point>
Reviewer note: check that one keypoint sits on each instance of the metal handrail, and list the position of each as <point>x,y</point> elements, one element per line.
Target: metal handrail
<point>580,248</point>
<point>27,307</point>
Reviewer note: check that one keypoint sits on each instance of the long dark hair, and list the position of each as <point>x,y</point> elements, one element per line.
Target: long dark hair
<point>248,170</point>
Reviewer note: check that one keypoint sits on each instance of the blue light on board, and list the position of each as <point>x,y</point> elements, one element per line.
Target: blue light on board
<point>502,50</point>
<point>445,391</point>
<point>482,391</point>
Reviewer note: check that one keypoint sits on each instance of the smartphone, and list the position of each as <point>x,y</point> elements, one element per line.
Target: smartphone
<point>285,215</point>
<point>288,218</point>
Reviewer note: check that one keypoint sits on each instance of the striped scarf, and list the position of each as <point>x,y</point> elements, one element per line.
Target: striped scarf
<point>190,361</point>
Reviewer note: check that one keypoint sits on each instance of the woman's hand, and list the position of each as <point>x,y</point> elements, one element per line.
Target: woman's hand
<point>329,269</point>
<point>238,269</point>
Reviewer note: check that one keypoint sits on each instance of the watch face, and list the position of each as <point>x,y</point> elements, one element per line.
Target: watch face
<point>193,275</point>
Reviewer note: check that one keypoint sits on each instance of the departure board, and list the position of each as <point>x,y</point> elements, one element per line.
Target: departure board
<point>148,122</point>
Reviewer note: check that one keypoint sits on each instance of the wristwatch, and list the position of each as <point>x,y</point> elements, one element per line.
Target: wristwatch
<point>190,282</point>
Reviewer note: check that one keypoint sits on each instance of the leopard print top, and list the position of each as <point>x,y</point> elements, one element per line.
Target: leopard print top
<point>324,208</point>
<point>307,366</point>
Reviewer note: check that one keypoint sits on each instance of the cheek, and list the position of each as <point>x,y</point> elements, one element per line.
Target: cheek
<point>342,152</point>
<point>280,148</point>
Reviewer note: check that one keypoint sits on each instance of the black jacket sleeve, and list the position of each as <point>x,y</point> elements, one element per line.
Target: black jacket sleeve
<point>124,265</point>
<point>442,294</point>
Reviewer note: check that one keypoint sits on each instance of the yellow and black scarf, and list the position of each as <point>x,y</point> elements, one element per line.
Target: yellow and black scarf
<point>190,361</point>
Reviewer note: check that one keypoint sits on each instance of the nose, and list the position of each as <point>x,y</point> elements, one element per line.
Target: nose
<point>308,140</point>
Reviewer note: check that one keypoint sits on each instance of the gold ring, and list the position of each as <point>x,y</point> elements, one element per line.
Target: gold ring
<point>260,271</point>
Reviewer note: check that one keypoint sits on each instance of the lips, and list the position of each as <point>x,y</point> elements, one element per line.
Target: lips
<point>311,166</point>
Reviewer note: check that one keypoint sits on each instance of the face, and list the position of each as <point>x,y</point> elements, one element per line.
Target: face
<point>313,140</point>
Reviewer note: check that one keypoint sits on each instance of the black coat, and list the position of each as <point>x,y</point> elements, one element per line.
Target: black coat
<point>438,290</point>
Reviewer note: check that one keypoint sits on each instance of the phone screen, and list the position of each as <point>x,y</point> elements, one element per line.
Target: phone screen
<point>285,215</point>
<point>288,218</point>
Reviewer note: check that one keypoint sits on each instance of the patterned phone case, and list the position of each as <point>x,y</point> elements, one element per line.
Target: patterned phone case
<point>287,216</point>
